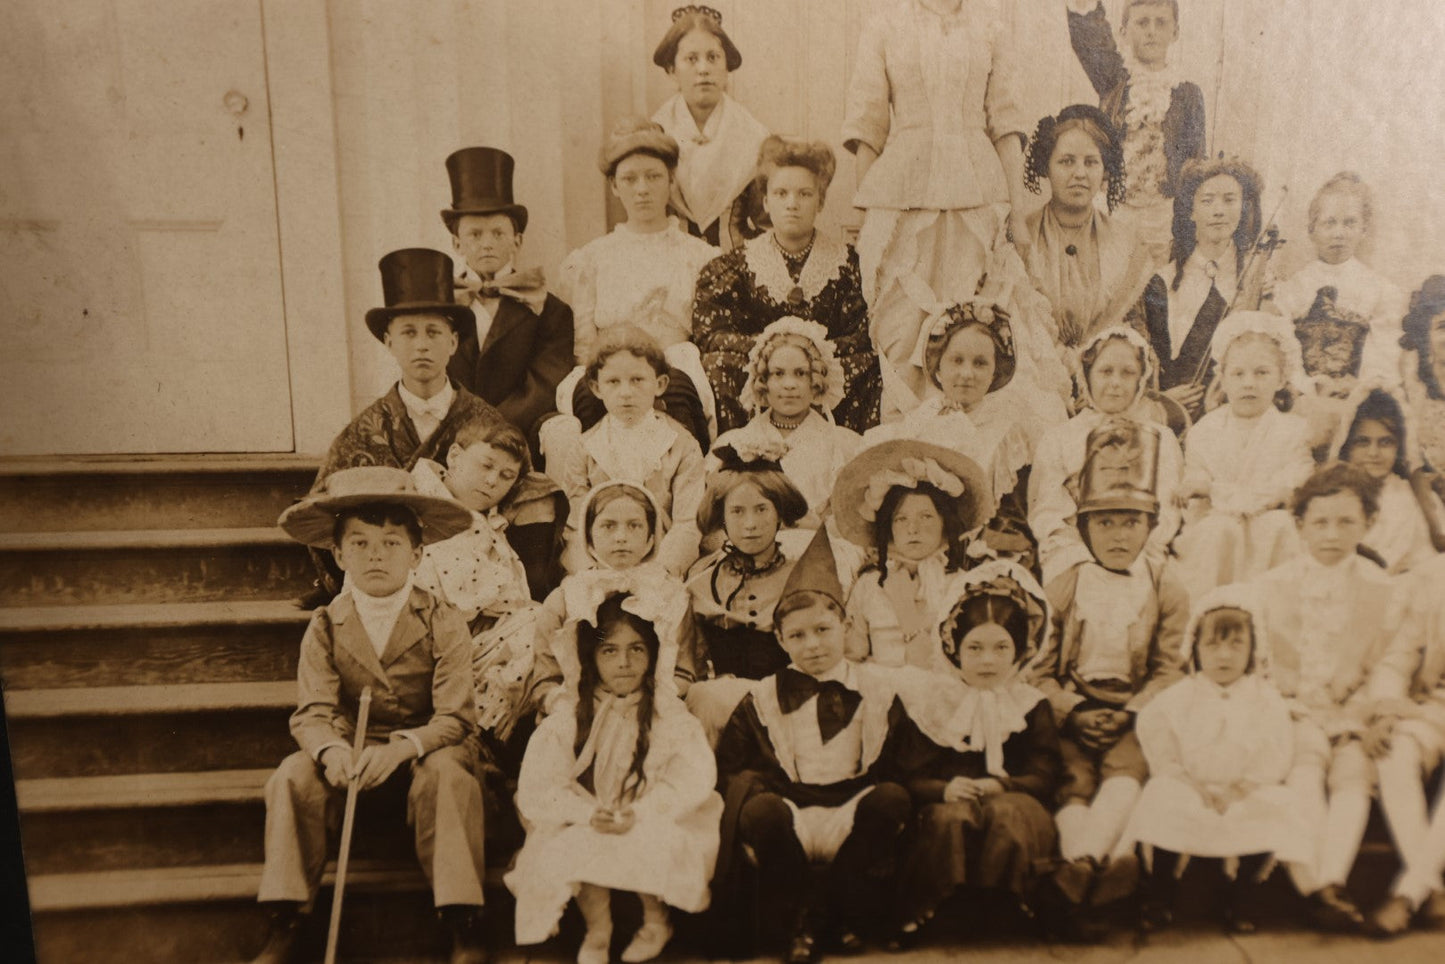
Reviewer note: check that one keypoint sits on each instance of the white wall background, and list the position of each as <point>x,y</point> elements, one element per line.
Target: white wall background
<point>1302,88</point>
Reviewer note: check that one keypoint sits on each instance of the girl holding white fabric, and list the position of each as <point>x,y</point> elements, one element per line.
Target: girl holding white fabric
<point>1219,743</point>
<point>616,789</point>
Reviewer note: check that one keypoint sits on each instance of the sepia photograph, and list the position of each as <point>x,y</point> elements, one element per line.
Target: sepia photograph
<point>773,480</point>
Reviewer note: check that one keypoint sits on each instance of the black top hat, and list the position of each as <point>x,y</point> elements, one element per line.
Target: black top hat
<point>417,281</point>
<point>482,184</point>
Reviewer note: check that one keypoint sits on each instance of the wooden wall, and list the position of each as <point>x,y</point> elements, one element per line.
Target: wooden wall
<point>1303,88</point>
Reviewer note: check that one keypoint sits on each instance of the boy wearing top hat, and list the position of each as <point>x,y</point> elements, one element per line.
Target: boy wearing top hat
<point>520,347</point>
<point>1117,624</point>
<point>796,767</point>
<point>415,653</point>
<point>421,416</point>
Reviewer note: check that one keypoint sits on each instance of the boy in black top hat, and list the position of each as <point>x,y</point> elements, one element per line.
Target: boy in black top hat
<point>520,346</point>
<point>420,417</point>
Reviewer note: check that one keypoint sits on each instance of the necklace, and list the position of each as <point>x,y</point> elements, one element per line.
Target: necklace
<point>1071,233</point>
<point>786,422</point>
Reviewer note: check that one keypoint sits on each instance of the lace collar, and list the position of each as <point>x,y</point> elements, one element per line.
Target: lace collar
<point>769,269</point>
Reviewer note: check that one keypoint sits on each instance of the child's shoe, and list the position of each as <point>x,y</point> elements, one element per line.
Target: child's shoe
<point>465,924</point>
<point>802,948</point>
<point>1237,913</point>
<point>281,940</point>
<point>1331,909</point>
<point>1391,919</point>
<point>596,948</point>
<point>648,942</point>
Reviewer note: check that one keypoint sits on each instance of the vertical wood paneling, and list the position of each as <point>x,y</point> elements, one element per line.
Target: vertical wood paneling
<point>1307,88</point>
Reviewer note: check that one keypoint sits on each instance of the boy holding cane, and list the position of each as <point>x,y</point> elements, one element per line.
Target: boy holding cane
<point>414,653</point>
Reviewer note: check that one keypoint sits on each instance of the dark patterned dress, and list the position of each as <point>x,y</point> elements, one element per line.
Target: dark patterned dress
<point>743,291</point>
<point>383,434</point>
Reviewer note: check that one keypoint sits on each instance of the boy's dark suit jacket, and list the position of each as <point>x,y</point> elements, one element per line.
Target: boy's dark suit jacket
<point>524,358</point>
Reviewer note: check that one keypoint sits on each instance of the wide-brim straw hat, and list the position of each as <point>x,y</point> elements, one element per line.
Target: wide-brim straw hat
<point>313,519</point>
<point>975,502</point>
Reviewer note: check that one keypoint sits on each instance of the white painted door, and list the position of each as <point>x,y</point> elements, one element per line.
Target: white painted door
<point>140,287</point>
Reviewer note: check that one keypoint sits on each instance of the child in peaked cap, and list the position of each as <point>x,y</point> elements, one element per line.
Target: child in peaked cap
<point>414,652</point>
<point>796,765</point>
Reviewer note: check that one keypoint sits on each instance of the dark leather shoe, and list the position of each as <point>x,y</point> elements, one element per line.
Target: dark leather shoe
<point>465,923</point>
<point>802,949</point>
<point>1331,909</point>
<point>284,933</point>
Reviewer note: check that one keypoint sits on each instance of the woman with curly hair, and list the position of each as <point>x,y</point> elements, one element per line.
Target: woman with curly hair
<point>789,270</point>
<point>1085,263</point>
<point>1216,220</point>
<point>1423,365</point>
<point>794,381</point>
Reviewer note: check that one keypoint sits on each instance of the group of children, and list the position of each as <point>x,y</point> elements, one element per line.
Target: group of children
<point>734,636</point>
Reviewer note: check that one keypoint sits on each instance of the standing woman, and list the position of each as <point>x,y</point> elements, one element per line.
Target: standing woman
<point>939,139</point>
<point>1216,219</point>
<point>718,137</point>
<point>789,270</point>
<point>1088,265</point>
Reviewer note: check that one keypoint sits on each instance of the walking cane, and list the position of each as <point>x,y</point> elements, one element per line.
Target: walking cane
<point>343,856</point>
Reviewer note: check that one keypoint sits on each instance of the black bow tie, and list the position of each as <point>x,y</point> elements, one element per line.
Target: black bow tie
<point>836,702</point>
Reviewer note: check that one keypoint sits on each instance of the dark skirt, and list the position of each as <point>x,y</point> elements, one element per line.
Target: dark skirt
<point>1005,844</point>
<point>743,651</point>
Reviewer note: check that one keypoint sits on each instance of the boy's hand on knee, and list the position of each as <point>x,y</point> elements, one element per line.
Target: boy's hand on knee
<point>605,820</point>
<point>337,763</point>
<point>379,762</point>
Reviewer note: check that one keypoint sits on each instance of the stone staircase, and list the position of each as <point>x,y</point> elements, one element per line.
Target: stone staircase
<point>148,646</point>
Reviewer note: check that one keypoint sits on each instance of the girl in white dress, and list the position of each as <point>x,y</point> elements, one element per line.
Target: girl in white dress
<point>1220,744</point>
<point>1115,370</point>
<point>616,789</point>
<point>913,504</point>
<point>1243,460</point>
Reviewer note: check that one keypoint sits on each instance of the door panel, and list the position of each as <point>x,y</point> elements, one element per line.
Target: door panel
<point>141,296</point>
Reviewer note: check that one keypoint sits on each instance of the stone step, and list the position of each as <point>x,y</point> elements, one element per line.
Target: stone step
<point>155,820</point>
<point>212,642</point>
<point>137,566</point>
<point>170,492</point>
<point>209,913</point>
<point>149,729</point>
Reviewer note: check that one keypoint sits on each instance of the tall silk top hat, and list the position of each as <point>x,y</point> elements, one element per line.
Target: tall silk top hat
<point>482,184</point>
<point>816,570</point>
<point>313,519</point>
<point>1121,468</point>
<point>417,281</point>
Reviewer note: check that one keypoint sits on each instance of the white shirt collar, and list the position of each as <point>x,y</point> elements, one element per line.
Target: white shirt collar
<point>435,407</point>
<point>378,614</point>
